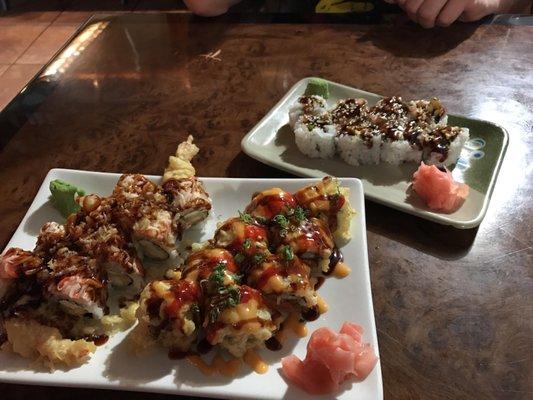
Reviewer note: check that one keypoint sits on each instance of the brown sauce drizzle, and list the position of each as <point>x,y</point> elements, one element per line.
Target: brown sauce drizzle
<point>204,347</point>
<point>310,314</point>
<point>334,259</point>
<point>273,344</point>
<point>98,340</point>
<point>319,282</point>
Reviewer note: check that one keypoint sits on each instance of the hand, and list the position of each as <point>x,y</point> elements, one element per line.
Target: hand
<point>429,13</point>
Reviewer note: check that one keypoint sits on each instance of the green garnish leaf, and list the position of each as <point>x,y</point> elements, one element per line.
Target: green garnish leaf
<point>281,220</point>
<point>217,275</point>
<point>300,214</point>
<point>246,218</point>
<point>287,253</point>
<point>63,197</point>
<point>247,243</point>
<point>259,258</point>
<point>311,126</point>
<point>239,258</point>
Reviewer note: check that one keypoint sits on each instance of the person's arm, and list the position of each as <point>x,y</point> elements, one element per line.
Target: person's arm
<point>429,13</point>
<point>210,8</point>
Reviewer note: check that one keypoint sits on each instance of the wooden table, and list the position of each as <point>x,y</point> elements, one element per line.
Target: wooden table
<point>453,307</point>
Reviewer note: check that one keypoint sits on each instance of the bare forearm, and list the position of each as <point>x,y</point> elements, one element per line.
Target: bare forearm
<point>210,8</point>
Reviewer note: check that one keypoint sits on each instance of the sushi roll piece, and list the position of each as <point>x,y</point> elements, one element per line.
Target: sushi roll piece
<point>315,135</point>
<point>358,141</point>
<point>93,233</point>
<point>443,145</point>
<point>76,282</point>
<point>398,144</point>
<point>267,204</point>
<point>17,265</point>
<point>309,239</point>
<point>390,109</point>
<point>285,280</point>
<point>238,319</point>
<point>188,198</point>
<point>430,112</point>
<point>169,312</point>
<point>307,105</point>
<point>142,211</point>
<point>189,201</point>
<point>329,201</point>
<point>242,237</point>
<point>200,265</point>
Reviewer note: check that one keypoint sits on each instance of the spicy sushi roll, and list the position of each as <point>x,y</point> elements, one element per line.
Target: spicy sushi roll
<point>315,135</point>
<point>169,312</point>
<point>285,280</point>
<point>329,201</point>
<point>358,141</point>
<point>237,319</point>
<point>266,204</point>
<point>243,237</point>
<point>314,105</point>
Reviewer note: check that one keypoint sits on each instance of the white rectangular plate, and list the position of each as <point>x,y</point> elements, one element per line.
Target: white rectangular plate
<point>271,141</point>
<point>113,366</point>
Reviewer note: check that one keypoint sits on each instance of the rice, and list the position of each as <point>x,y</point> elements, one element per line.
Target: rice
<point>317,142</point>
<point>399,151</point>
<point>308,105</point>
<point>355,151</point>
<point>454,149</point>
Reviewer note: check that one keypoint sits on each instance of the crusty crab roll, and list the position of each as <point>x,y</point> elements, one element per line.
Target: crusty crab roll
<point>76,282</point>
<point>170,311</point>
<point>188,200</point>
<point>91,231</point>
<point>243,236</point>
<point>286,278</point>
<point>328,201</point>
<point>16,264</point>
<point>200,265</point>
<point>237,319</point>
<point>267,204</point>
<point>142,210</point>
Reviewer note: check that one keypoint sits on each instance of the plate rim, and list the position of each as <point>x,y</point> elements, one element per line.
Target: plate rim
<point>113,385</point>
<point>443,219</point>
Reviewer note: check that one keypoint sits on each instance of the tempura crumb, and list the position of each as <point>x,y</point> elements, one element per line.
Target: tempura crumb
<point>179,166</point>
<point>345,215</point>
<point>45,344</point>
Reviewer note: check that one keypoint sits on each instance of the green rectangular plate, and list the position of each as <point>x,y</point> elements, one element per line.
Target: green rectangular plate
<point>271,141</point>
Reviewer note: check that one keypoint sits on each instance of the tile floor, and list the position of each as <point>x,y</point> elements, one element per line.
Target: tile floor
<point>32,31</point>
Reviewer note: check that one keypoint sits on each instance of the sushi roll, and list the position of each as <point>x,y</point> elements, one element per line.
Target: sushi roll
<point>237,319</point>
<point>188,200</point>
<point>358,141</point>
<point>17,265</point>
<point>309,239</point>
<point>93,233</point>
<point>443,145</point>
<point>329,201</point>
<point>430,112</point>
<point>399,143</point>
<point>76,282</point>
<point>200,265</point>
<point>315,135</point>
<point>52,237</point>
<point>142,211</point>
<point>314,105</point>
<point>285,280</point>
<point>267,204</point>
<point>246,239</point>
<point>169,312</point>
